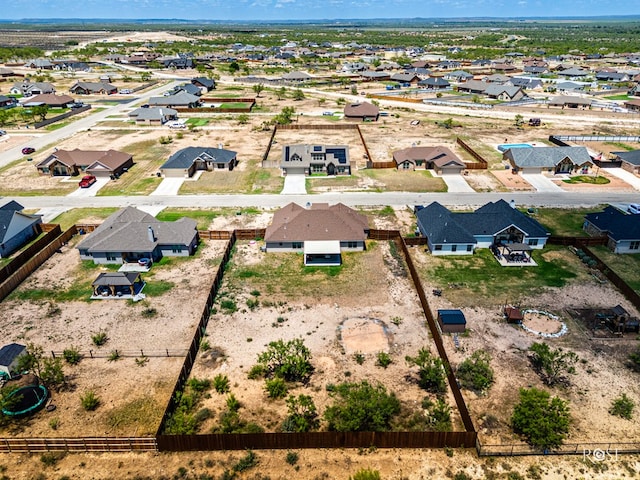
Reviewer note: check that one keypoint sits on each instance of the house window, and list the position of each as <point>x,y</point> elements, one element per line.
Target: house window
<point>176,248</point>
<point>438,247</point>
<point>634,245</point>
<point>317,157</point>
<point>454,248</point>
<point>469,248</point>
<point>317,168</point>
<point>352,244</point>
<point>220,165</point>
<point>111,257</point>
<point>406,165</point>
<point>418,163</point>
<point>533,242</point>
<point>296,245</point>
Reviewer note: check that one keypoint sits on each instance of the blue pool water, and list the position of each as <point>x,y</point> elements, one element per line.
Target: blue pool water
<point>506,146</point>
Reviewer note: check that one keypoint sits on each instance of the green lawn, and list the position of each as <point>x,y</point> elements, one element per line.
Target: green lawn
<point>83,215</point>
<point>229,105</point>
<point>564,221</point>
<point>198,122</point>
<point>203,217</point>
<point>618,97</point>
<point>254,180</point>
<point>141,179</point>
<point>599,180</point>
<point>627,265</point>
<point>479,280</point>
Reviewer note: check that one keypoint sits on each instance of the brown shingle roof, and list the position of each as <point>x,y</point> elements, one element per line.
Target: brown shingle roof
<point>440,156</point>
<point>364,109</point>
<point>112,159</point>
<point>293,223</point>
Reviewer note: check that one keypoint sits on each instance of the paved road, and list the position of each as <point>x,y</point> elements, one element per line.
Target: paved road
<point>396,199</point>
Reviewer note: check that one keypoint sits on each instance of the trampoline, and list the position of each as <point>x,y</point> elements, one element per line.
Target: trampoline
<point>32,398</point>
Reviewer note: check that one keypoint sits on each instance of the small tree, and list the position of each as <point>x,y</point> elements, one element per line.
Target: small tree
<point>298,94</point>
<point>285,117</point>
<point>290,360</point>
<point>622,407</point>
<point>234,67</point>
<point>543,421</point>
<point>475,373</point>
<point>365,474</point>
<point>281,93</point>
<point>302,414</point>
<point>552,365</point>
<point>431,371</point>
<point>52,373</point>
<point>361,407</point>
<point>519,119</point>
<point>258,88</point>
<point>243,119</point>
<point>89,401</point>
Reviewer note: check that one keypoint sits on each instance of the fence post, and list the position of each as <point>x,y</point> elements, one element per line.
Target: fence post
<point>53,354</point>
<point>91,353</point>
<point>167,350</point>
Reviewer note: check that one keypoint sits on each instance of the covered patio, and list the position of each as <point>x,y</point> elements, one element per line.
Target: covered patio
<point>513,254</point>
<point>120,285</point>
<point>324,253</point>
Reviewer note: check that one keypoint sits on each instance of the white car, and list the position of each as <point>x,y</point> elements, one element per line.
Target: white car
<point>176,124</point>
<point>126,91</point>
<point>634,208</point>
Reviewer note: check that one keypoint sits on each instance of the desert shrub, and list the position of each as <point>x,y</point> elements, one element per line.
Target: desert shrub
<point>256,372</point>
<point>365,474</point>
<point>253,303</point>
<point>52,373</point>
<point>292,457</point>
<point>202,415</point>
<point>475,373</point>
<point>543,421</point>
<point>51,459</point>
<point>440,416</point>
<point>552,364</point>
<point>302,415</point>
<point>72,355</point>
<point>228,306</point>
<point>383,359</point>
<point>276,387</point>
<point>431,371</point>
<point>361,407</point>
<point>359,358</point>
<point>622,407</point>
<point>221,383</point>
<point>287,360</point>
<point>114,356</point>
<point>250,460</point>
<point>199,385</point>
<point>89,401</point>
<point>233,404</point>
<point>99,338</point>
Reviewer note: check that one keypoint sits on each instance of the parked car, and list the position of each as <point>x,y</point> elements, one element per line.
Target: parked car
<point>144,262</point>
<point>76,105</point>
<point>634,208</point>
<point>87,181</point>
<point>28,150</point>
<point>176,124</point>
<point>2,132</point>
<point>126,90</point>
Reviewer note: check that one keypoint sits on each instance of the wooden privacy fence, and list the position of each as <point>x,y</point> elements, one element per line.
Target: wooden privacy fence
<point>80,444</point>
<point>374,165</point>
<point>38,259</point>
<point>24,256</point>
<point>606,450</point>
<point>574,241</point>
<point>86,354</point>
<point>242,441</point>
<point>481,163</point>
<point>201,329</point>
<point>70,113</point>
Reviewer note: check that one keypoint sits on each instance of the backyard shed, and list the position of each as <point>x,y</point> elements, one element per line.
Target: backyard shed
<point>452,321</point>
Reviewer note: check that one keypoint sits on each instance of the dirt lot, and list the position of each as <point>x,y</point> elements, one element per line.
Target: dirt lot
<point>132,397</point>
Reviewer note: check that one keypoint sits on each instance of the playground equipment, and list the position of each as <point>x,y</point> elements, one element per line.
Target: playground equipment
<point>30,399</point>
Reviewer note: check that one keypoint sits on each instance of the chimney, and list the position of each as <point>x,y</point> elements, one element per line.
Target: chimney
<point>152,237</point>
<point>220,146</point>
<point>512,203</point>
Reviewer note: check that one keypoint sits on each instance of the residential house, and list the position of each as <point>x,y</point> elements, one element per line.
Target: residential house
<point>28,89</point>
<point>206,84</point>
<point>131,234</point>
<point>571,160</point>
<point>497,78</point>
<point>50,99</point>
<point>434,83</point>
<point>7,72</point>
<point>296,77</point>
<point>536,70</point>
<point>632,105</point>
<point>621,229</point>
<point>39,64</point>
<point>570,101</point>
<point>630,160</point>
<point>9,357</point>
<point>189,88</point>
<point>451,321</point>
<point>16,228</point>
<point>405,78</point>
<point>7,102</point>
<point>189,160</point>
<point>569,87</point>
<point>307,159</point>
<point>574,73</point>
<point>93,88</point>
<point>526,83</point>
<point>153,115</point>
<point>458,76</point>
<point>320,231</point>
<point>374,75</point>
<point>506,93</point>
<point>473,86</point>
<point>364,111</point>
<point>101,163</point>
<point>179,62</point>
<point>440,159</point>
<point>181,99</point>
<point>495,223</point>
<point>607,76</point>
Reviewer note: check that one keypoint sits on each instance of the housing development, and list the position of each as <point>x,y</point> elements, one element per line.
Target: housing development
<point>300,250</point>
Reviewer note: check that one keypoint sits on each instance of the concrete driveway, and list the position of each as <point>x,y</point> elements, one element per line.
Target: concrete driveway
<point>541,183</point>
<point>457,184</point>
<point>92,191</point>
<point>169,186</point>
<point>628,177</point>
<point>294,185</point>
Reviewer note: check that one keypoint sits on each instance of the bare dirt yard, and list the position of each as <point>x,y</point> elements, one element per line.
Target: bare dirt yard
<point>52,309</point>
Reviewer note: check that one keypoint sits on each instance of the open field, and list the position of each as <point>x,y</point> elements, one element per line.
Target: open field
<point>627,265</point>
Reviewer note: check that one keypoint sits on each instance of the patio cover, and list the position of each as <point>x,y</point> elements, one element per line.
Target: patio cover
<point>321,247</point>
<point>517,247</point>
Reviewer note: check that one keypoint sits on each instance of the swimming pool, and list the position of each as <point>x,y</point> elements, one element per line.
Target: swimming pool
<point>506,146</point>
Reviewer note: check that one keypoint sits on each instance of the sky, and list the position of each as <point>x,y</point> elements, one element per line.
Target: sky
<point>310,9</point>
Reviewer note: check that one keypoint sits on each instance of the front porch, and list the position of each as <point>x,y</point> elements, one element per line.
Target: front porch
<point>513,255</point>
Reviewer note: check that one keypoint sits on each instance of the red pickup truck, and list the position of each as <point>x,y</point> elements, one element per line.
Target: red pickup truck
<point>87,181</point>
